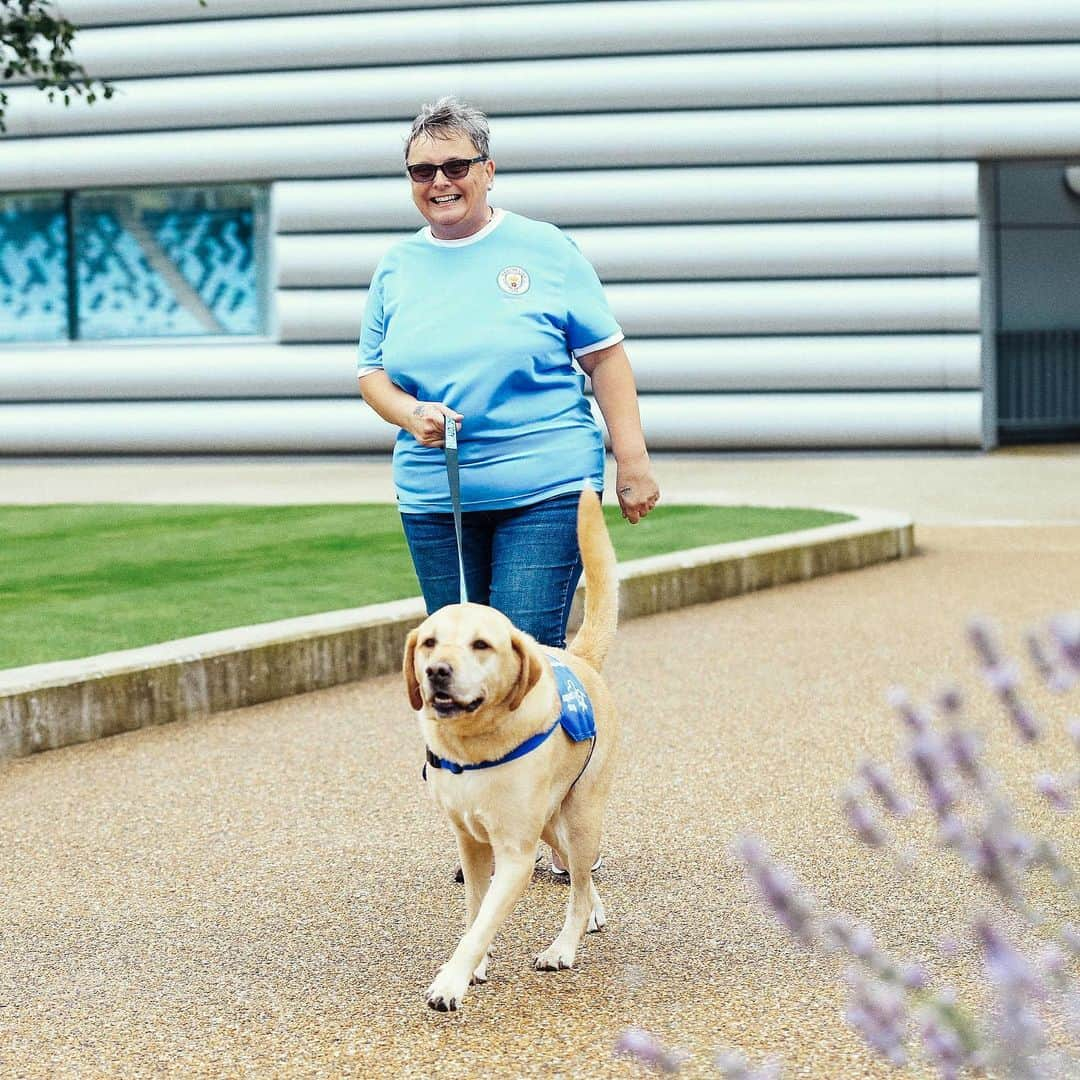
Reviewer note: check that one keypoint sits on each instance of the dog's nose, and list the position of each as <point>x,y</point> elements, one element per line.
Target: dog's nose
<point>440,672</point>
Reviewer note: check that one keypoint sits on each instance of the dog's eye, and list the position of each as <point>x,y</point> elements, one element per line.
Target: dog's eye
<point>429,643</point>
<point>480,644</point>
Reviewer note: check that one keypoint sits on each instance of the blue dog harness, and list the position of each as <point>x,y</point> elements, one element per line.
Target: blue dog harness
<point>576,719</point>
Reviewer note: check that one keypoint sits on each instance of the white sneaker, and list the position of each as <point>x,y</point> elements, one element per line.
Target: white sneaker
<point>564,874</point>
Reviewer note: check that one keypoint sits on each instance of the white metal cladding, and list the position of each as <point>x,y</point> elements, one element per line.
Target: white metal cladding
<point>671,421</point>
<point>571,29</point>
<point>621,83</point>
<point>823,362</point>
<point>827,306</point>
<point>115,12</point>
<point>690,252</point>
<point>612,140</point>
<point>637,196</point>
<point>780,194</point>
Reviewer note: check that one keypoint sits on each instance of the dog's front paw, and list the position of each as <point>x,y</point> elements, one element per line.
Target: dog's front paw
<point>555,958</point>
<point>597,920</point>
<point>446,992</point>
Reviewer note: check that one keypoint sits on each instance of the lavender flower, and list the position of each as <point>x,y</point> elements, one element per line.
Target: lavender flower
<point>878,1012</point>
<point>983,638</point>
<point>1058,791</point>
<point>1065,630</point>
<point>915,718</point>
<point>1053,676</point>
<point>881,783</point>
<point>964,749</point>
<point>928,755</point>
<point>642,1046</point>
<point>734,1066</point>
<point>1020,1037</point>
<point>942,1039</point>
<point>854,938</point>
<point>950,700</point>
<point>862,820</point>
<point>789,904</point>
<point>1022,717</point>
<point>1073,728</point>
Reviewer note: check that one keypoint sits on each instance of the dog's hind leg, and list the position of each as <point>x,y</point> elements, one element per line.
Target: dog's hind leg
<point>583,902</point>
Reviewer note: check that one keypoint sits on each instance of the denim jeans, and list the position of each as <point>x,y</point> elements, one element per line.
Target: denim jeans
<point>523,561</point>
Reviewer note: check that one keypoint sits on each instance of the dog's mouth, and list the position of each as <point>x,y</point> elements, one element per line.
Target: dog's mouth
<point>446,705</point>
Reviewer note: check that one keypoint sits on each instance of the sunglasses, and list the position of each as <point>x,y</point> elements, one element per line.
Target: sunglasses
<point>454,169</point>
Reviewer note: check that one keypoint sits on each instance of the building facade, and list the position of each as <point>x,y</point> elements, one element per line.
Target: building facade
<point>821,223</point>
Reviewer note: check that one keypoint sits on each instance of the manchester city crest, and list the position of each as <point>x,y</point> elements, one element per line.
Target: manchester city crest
<point>513,280</point>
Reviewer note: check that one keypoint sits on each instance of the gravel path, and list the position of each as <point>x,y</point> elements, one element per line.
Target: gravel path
<point>267,893</point>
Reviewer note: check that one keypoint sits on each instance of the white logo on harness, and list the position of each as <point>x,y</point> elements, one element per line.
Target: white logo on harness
<point>513,280</point>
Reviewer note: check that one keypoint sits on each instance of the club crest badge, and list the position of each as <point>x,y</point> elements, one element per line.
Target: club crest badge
<point>513,280</point>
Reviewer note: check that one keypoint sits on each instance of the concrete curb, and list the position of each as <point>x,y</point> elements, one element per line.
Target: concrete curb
<point>46,706</point>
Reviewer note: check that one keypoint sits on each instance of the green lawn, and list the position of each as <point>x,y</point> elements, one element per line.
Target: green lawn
<point>80,580</point>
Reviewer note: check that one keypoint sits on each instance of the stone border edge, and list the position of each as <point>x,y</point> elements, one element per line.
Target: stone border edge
<point>46,706</point>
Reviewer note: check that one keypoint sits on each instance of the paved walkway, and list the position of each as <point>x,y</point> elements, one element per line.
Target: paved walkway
<point>266,893</point>
<point>1020,485</point>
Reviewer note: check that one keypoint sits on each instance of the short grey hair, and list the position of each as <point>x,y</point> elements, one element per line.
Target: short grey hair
<point>448,116</point>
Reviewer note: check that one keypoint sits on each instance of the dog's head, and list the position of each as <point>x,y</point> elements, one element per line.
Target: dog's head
<point>466,657</point>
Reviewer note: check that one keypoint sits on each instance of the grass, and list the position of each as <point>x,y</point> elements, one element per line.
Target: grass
<point>77,580</point>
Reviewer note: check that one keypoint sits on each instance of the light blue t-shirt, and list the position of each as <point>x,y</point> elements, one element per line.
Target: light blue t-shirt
<point>489,325</point>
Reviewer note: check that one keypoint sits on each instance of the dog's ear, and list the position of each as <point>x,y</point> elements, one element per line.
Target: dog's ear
<point>532,668</point>
<point>408,667</point>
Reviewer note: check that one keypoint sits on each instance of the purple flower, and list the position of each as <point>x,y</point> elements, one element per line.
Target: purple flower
<point>1055,790</point>
<point>942,1042</point>
<point>862,820</point>
<point>1066,633</point>
<point>1003,677</point>
<point>950,700</point>
<point>734,1066</point>
<point>983,638</point>
<point>928,755</point>
<point>898,700</point>
<point>878,1012</point>
<point>1024,720</point>
<point>1070,935</point>
<point>964,748</point>
<point>854,938</point>
<point>642,1046</point>
<point>1073,728</point>
<point>778,888</point>
<point>881,783</point>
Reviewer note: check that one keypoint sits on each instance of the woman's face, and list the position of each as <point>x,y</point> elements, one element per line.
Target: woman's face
<point>453,208</point>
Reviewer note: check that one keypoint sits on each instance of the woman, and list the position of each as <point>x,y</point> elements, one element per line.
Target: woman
<point>476,320</point>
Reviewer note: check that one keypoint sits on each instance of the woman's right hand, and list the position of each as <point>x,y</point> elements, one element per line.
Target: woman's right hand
<point>427,420</point>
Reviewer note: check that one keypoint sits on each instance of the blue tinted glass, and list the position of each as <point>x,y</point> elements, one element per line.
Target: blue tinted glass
<point>33,268</point>
<point>167,263</point>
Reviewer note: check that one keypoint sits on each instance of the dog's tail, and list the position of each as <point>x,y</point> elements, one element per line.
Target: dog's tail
<point>597,631</point>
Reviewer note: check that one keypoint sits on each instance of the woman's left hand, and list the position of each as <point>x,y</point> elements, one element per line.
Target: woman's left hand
<point>636,488</point>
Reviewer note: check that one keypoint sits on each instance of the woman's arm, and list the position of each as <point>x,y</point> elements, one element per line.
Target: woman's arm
<point>616,393</point>
<point>424,420</point>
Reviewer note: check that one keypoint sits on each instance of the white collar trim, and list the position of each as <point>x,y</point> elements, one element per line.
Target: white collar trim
<point>491,226</point>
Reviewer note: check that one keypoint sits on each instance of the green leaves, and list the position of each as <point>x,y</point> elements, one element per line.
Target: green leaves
<point>34,44</point>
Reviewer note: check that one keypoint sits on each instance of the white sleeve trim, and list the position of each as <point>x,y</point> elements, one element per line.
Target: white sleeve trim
<point>366,369</point>
<point>596,346</point>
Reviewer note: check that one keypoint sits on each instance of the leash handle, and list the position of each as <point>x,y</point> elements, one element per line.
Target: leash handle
<point>454,479</point>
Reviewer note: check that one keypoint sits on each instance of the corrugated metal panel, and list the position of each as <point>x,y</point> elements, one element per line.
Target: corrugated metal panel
<point>1038,384</point>
<point>673,422</point>
<point>605,84</point>
<point>642,196</point>
<point>579,29</point>
<point>614,140</point>
<point>95,372</point>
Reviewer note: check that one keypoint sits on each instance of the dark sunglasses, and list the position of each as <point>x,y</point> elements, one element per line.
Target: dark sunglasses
<point>454,169</point>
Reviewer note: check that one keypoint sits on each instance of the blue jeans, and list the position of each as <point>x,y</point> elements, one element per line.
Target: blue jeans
<point>523,561</point>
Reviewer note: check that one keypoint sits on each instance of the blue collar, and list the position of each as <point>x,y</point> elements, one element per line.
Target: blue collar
<point>576,718</point>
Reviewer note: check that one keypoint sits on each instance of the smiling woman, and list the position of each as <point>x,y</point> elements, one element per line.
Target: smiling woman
<point>478,319</point>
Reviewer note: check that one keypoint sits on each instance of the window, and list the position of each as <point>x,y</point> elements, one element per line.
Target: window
<point>178,262</point>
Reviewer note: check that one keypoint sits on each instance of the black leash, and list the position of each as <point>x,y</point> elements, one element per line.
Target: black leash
<point>454,479</point>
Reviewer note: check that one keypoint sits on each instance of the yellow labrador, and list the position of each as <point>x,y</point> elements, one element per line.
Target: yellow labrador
<point>493,708</point>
